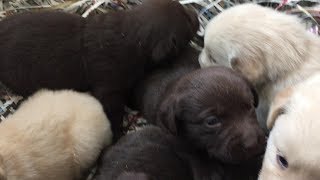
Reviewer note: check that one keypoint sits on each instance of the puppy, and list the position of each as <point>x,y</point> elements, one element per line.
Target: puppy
<point>293,146</point>
<point>212,108</point>
<point>104,54</point>
<point>153,154</point>
<point>53,135</point>
<point>150,91</point>
<point>133,176</point>
<point>271,49</point>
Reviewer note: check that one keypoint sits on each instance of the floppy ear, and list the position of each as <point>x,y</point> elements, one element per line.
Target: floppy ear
<point>251,69</point>
<point>166,116</point>
<point>164,48</point>
<point>278,106</point>
<point>253,92</point>
<point>255,96</point>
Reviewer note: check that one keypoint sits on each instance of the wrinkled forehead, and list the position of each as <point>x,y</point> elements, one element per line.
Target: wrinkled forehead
<point>218,97</point>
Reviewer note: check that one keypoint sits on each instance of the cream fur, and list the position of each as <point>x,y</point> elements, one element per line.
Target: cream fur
<point>54,135</point>
<point>295,135</point>
<point>272,49</point>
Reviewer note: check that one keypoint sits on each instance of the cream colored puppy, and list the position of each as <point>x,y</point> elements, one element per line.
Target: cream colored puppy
<point>272,49</point>
<point>293,146</point>
<point>54,135</point>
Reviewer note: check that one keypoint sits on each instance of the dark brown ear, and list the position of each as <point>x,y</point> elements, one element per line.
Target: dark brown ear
<point>253,92</point>
<point>166,116</point>
<point>255,96</point>
<point>278,106</point>
<point>164,49</point>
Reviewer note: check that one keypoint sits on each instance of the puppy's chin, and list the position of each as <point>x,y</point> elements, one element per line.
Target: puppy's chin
<point>229,158</point>
<point>223,156</point>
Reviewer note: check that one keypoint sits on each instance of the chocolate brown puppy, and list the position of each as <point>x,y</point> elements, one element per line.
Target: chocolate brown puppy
<point>103,54</point>
<point>149,91</point>
<point>133,176</point>
<point>153,154</point>
<point>213,109</point>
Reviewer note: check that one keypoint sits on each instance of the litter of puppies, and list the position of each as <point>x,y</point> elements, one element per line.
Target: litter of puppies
<point>255,118</point>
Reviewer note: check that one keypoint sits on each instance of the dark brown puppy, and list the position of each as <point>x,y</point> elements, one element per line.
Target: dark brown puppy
<point>212,108</point>
<point>134,176</point>
<point>152,154</point>
<point>148,93</point>
<point>104,54</point>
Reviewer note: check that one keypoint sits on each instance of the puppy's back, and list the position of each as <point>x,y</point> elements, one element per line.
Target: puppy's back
<point>54,135</point>
<point>149,151</point>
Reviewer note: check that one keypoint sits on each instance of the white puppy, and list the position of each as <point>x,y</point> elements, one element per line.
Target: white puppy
<point>293,145</point>
<point>54,135</point>
<point>272,49</point>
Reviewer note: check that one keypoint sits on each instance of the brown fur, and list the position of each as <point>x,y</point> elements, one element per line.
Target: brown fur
<point>153,154</point>
<point>104,54</point>
<point>184,102</point>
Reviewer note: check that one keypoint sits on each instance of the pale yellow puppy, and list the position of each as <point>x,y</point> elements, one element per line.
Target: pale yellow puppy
<point>293,146</point>
<point>272,49</point>
<point>54,135</point>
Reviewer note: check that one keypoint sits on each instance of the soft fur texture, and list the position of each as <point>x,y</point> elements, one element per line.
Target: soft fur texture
<point>295,134</point>
<point>155,155</point>
<point>104,54</point>
<point>53,135</point>
<point>133,176</point>
<point>272,49</point>
<point>185,102</point>
<point>150,91</point>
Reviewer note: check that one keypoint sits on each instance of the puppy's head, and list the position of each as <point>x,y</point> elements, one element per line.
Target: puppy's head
<point>164,28</point>
<point>293,145</point>
<point>258,42</point>
<point>214,109</point>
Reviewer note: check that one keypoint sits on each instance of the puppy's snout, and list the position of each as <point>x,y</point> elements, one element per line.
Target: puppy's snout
<point>254,142</point>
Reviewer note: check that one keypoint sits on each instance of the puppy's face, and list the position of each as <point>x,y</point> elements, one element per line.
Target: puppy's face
<point>166,28</point>
<point>254,42</point>
<point>214,109</point>
<point>293,145</point>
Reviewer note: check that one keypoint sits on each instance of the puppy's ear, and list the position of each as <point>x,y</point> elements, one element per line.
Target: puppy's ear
<point>253,92</point>
<point>164,48</point>
<point>166,117</point>
<point>251,69</point>
<point>255,96</point>
<point>278,106</point>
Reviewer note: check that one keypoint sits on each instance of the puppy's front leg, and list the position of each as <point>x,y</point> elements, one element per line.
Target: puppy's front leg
<point>113,104</point>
